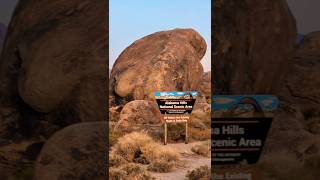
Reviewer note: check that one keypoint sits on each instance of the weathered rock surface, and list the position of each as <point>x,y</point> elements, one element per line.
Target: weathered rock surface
<point>295,129</point>
<point>53,73</point>
<point>251,45</point>
<point>300,112</point>
<point>139,115</point>
<point>205,86</point>
<point>302,81</point>
<point>114,113</point>
<point>201,114</point>
<point>163,61</point>
<point>54,62</point>
<point>301,86</point>
<point>76,152</point>
<point>3,30</point>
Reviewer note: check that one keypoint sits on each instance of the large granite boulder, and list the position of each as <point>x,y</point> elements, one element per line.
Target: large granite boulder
<point>76,152</point>
<point>251,45</point>
<point>163,61</point>
<point>53,73</point>
<point>54,63</point>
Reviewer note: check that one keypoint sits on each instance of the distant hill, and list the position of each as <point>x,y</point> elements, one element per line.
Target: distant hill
<point>3,30</point>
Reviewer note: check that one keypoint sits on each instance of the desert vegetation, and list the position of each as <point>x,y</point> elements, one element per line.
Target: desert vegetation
<point>203,149</point>
<point>137,150</point>
<point>200,173</point>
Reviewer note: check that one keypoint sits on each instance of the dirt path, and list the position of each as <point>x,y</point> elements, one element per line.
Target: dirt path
<point>189,161</point>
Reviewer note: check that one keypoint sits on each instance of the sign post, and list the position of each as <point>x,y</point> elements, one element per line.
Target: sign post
<point>175,107</point>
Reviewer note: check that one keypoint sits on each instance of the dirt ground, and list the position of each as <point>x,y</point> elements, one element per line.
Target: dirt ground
<point>189,161</point>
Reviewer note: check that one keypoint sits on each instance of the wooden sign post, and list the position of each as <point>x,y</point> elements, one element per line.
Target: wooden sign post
<point>175,107</point>
<point>165,133</point>
<point>166,130</point>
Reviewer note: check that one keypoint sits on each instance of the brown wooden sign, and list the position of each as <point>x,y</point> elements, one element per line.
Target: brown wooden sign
<point>175,107</point>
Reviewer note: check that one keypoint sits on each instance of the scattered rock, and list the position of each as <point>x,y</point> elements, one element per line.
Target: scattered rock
<point>201,114</point>
<point>205,86</point>
<point>139,114</point>
<point>75,152</point>
<point>114,113</point>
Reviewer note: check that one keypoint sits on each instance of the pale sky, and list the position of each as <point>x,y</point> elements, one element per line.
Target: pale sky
<point>6,9</point>
<point>307,14</point>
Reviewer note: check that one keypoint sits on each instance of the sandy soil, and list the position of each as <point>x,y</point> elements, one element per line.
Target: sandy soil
<point>189,161</point>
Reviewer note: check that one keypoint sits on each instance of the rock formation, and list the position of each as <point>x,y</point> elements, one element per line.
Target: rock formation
<point>300,109</point>
<point>3,30</point>
<point>251,45</point>
<point>76,152</point>
<point>53,73</point>
<point>139,115</point>
<point>205,86</point>
<point>163,61</point>
<point>54,64</point>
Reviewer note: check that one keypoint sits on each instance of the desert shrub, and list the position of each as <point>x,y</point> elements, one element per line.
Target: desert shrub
<point>114,135</point>
<point>199,134</point>
<point>176,132</point>
<point>116,160</point>
<point>200,173</point>
<point>129,171</point>
<point>202,149</point>
<point>130,145</point>
<point>161,166</point>
<point>140,148</point>
<point>117,174</point>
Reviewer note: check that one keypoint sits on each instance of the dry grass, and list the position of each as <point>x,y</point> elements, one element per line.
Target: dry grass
<point>202,149</point>
<point>129,171</point>
<point>138,147</point>
<point>114,135</point>
<point>200,173</point>
<point>176,132</point>
<point>161,166</point>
